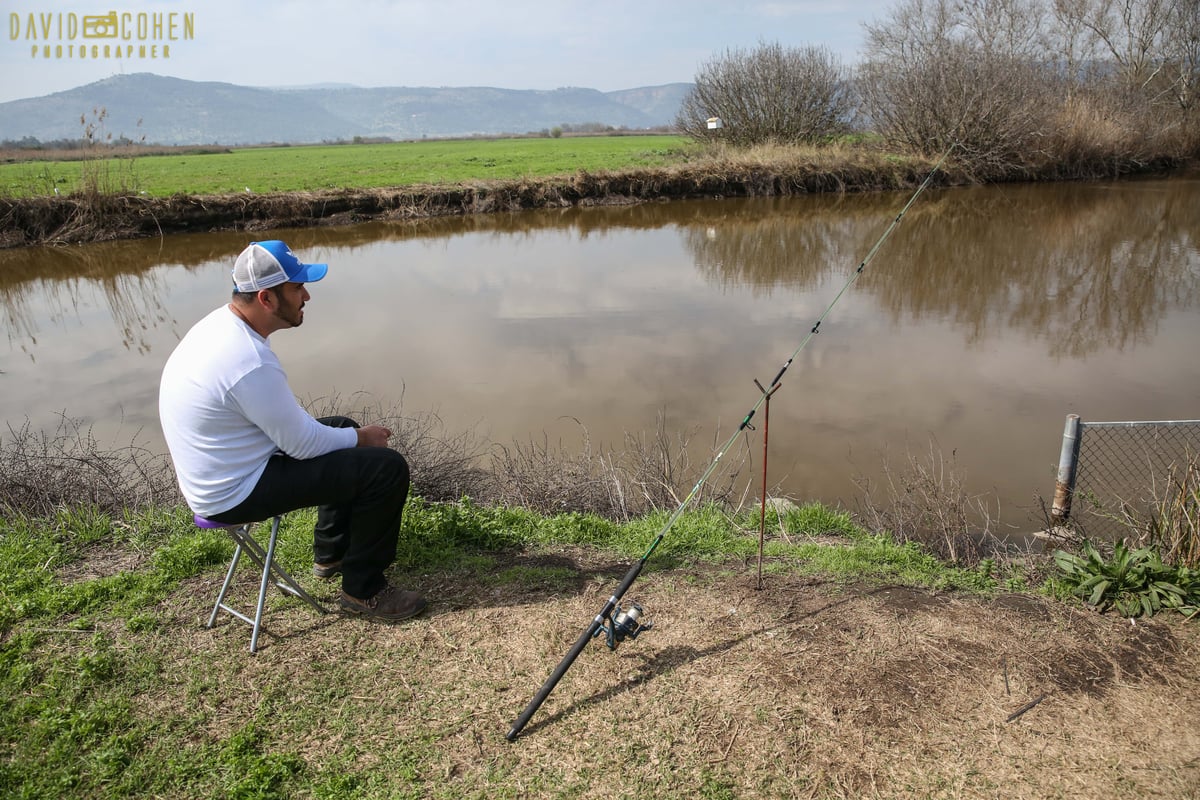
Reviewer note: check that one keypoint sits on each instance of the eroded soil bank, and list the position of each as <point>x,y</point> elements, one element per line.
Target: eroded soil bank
<point>81,217</point>
<point>78,218</point>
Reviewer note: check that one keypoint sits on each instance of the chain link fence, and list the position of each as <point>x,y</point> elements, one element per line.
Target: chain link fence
<point>1114,472</point>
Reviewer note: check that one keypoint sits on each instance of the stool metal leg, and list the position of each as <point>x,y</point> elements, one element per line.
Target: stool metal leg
<point>265,560</point>
<point>283,579</point>
<point>237,554</point>
<point>266,581</point>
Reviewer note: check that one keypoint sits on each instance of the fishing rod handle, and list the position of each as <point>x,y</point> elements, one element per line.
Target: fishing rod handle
<point>554,678</point>
<point>575,650</point>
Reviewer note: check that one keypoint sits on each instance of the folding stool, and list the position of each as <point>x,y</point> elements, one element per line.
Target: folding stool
<point>265,559</point>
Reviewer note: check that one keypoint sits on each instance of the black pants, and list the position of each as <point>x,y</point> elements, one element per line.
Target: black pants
<point>359,493</point>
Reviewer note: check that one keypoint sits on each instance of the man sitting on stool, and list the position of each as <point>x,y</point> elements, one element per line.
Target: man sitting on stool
<point>245,450</point>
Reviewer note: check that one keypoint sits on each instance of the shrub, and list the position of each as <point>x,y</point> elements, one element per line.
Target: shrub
<point>771,94</point>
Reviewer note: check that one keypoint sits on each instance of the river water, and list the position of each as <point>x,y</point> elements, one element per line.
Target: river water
<point>989,315</point>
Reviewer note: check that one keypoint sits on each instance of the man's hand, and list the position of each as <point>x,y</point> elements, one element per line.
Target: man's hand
<point>373,436</point>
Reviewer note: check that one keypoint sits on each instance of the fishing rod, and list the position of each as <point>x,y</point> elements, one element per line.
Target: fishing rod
<point>617,624</point>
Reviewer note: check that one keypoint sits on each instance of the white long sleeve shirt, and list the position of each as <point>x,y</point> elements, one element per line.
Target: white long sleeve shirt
<point>226,408</point>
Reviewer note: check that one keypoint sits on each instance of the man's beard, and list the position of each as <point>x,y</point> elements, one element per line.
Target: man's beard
<point>295,320</point>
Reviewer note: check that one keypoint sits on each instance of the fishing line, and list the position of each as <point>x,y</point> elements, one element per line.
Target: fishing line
<point>617,624</point>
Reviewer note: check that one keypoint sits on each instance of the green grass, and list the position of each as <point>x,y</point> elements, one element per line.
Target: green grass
<point>87,640</point>
<point>442,535</point>
<point>320,167</point>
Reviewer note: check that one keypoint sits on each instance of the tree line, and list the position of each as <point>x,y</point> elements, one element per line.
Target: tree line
<point>1044,87</point>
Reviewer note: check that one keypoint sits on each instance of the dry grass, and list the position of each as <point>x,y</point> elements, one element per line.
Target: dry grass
<point>651,472</point>
<point>1175,530</point>
<point>1090,137</point>
<point>42,471</point>
<point>924,501</point>
<point>1171,525</point>
<point>803,689</point>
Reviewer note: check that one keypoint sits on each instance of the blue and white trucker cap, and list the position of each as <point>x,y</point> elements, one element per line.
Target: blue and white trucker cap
<point>266,264</point>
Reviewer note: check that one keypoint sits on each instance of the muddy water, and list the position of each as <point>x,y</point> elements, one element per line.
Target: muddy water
<point>987,317</point>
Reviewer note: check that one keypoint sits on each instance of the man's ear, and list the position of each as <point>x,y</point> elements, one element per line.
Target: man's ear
<point>264,298</point>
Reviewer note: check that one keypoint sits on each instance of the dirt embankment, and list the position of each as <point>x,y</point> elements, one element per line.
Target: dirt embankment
<point>90,217</point>
<point>810,688</point>
<point>84,218</point>
<point>805,688</point>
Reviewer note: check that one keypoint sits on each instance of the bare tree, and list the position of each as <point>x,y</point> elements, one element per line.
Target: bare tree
<point>1075,47</point>
<point>941,73</point>
<point>1009,28</point>
<point>1129,33</point>
<point>1143,60</point>
<point>1183,53</point>
<point>772,93</point>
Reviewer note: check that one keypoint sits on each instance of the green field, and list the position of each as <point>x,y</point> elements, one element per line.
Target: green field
<point>319,167</point>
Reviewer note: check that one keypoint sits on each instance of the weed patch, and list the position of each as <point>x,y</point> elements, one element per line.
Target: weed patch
<point>798,687</point>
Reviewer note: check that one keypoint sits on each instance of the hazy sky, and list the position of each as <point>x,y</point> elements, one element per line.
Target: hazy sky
<point>538,44</point>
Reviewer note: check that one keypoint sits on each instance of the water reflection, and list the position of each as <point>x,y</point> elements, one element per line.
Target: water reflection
<point>990,314</point>
<point>1093,271</point>
<point>1084,268</point>
<point>61,282</point>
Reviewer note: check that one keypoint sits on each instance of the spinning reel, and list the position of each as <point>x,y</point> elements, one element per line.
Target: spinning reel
<point>622,624</point>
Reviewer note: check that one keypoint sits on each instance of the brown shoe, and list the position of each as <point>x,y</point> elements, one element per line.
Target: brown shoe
<point>326,571</point>
<point>388,603</point>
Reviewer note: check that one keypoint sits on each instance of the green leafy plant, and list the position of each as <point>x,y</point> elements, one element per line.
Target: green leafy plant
<point>1134,582</point>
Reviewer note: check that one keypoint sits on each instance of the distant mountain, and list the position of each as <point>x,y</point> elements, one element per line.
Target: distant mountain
<point>161,110</point>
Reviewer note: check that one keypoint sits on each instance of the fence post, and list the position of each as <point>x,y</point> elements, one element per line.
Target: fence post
<point>1064,485</point>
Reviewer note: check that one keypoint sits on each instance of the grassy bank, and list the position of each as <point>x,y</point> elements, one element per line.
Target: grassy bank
<point>860,665</point>
<point>861,668</point>
<point>127,196</point>
<point>115,687</point>
<point>624,174</point>
<point>115,193</point>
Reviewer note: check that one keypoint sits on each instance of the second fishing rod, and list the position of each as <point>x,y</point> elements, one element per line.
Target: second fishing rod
<point>617,624</point>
